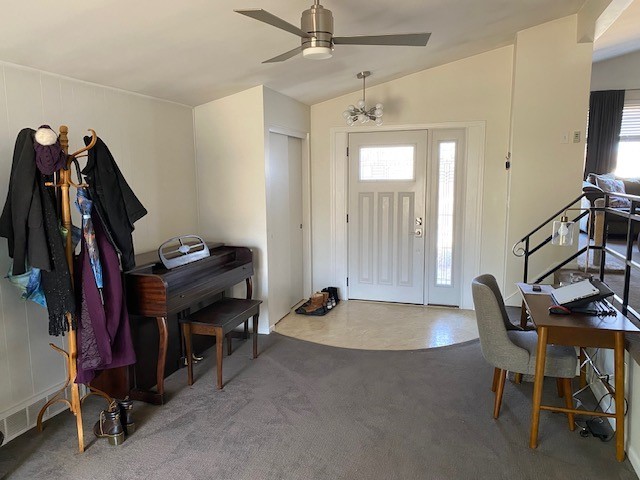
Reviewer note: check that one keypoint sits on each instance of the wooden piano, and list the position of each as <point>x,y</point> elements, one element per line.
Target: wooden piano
<point>156,298</point>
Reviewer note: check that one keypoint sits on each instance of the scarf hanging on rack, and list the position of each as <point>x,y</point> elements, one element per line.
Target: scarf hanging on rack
<point>84,204</point>
<point>56,283</point>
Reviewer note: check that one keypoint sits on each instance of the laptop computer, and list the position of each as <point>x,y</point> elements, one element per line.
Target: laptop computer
<point>580,293</point>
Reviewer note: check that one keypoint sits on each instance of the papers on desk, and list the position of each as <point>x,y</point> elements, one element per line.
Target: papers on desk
<point>574,291</point>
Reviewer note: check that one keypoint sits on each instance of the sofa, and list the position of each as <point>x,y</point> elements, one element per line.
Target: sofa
<point>595,186</point>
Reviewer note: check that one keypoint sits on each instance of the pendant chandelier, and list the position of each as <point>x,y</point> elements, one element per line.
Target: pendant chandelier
<point>359,112</point>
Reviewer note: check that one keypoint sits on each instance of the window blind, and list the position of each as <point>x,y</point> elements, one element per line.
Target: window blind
<point>630,129</point>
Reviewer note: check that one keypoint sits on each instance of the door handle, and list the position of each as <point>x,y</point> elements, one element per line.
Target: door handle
<point>417,233</point>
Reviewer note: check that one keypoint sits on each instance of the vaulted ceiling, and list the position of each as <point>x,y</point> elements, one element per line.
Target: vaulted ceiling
<point>196,51</point>
<point>622,37</point>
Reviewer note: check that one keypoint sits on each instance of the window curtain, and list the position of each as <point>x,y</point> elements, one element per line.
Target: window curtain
<point>605,120</point>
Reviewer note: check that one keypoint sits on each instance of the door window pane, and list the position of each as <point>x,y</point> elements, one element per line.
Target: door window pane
<point>446,202</point>
<point>387,163</point>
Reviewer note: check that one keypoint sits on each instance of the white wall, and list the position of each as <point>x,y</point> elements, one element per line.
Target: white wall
<point>282,112</point>
<point>477,88</point>
<point>548,74</point>
<point>619,73</point>
<point>550,98</point>
<point>231,159</point>
<point>231,179</point>
<point>152,141</point>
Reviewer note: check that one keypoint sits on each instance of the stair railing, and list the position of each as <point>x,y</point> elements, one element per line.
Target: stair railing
<point>523,247</point>
<point>599,202</point>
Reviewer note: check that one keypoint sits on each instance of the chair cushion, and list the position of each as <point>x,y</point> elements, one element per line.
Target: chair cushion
<point>561,361</point>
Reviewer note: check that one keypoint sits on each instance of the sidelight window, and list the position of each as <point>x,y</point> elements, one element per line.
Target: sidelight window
<point>446,204</point>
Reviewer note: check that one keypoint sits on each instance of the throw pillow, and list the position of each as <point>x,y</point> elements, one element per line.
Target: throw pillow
<point>611,185</point>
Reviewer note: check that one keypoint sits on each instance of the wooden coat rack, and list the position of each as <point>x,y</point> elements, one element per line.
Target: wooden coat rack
<point>63,184</point>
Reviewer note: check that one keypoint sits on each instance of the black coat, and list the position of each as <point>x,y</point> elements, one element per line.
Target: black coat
<point>113,199</point>
<point>21,221</point>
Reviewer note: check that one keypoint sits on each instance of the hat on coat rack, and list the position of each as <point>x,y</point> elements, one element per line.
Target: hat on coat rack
<point>49,155</point>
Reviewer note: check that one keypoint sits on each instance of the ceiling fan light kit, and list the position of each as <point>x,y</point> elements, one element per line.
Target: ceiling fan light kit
<point>316,33</point>
<point>359,112</point>
<point>317,21</point>
<point>317,53</point>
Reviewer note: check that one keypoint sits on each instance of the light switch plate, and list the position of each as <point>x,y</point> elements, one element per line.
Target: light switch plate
<point>577,136</point>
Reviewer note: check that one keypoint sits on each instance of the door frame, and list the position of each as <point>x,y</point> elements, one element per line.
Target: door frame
<point>307,271</point>
<point>473,168</point>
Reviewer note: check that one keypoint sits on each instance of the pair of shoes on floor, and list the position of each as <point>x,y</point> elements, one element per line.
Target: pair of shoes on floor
<point>115,422</point>
<point>320,302</point>
<point>316,305</point>
<point>333,295</point>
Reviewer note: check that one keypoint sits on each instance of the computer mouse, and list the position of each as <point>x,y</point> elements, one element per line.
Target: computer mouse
<point>559,310</point>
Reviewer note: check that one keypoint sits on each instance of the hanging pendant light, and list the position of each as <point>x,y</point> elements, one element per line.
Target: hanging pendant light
<point>562,233</point>
<point>360,112</point>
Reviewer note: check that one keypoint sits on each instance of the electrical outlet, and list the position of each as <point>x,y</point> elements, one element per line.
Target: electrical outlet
<point>577,136</point>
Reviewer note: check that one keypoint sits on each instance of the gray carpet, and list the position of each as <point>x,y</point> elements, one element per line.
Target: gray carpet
<point>307,411</point>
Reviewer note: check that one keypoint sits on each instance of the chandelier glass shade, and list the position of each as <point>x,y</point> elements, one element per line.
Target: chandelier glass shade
<point>359,112</point>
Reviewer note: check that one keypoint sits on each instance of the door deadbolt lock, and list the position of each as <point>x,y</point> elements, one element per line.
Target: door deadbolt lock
<point>418,221</point>
<point>418,233</point>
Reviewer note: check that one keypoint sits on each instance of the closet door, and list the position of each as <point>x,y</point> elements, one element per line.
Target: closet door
<point>284,224</point>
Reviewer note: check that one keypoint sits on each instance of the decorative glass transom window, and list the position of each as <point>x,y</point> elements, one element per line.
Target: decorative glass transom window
<point>396,162</point>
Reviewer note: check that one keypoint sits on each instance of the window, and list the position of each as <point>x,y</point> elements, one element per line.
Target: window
<point>387,163</point>
<point>628,165</point>
<point>446,203</point>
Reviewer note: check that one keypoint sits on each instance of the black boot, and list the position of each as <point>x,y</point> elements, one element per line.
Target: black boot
<point>333,294</point>
<point>126,416</point>
<point>333,291</point>
<point>109,425</point>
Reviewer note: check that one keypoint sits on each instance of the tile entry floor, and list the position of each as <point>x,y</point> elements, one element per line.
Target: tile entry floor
<point>383,326</point>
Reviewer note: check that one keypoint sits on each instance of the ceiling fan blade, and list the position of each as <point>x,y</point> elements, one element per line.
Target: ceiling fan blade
<point>284,56</point>
<point>266,17</point>
<point>403,39</point>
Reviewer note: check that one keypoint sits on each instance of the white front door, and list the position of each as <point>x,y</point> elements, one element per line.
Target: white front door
<point>387,216</point>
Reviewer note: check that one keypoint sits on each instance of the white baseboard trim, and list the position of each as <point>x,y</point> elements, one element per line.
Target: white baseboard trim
<point>599,391</point>
<point>30,401</point>
<point>634,458</point>
<point>21,418</point>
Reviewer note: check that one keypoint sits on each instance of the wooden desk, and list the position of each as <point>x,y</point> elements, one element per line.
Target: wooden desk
<point>577,330</point>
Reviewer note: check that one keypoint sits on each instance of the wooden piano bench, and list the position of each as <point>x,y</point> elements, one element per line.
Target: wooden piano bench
<point>219,319</point>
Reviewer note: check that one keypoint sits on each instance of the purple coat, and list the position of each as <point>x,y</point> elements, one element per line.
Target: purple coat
<point>104,336</point>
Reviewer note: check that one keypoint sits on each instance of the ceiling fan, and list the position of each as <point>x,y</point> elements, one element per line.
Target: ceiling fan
<point>317,34</point>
